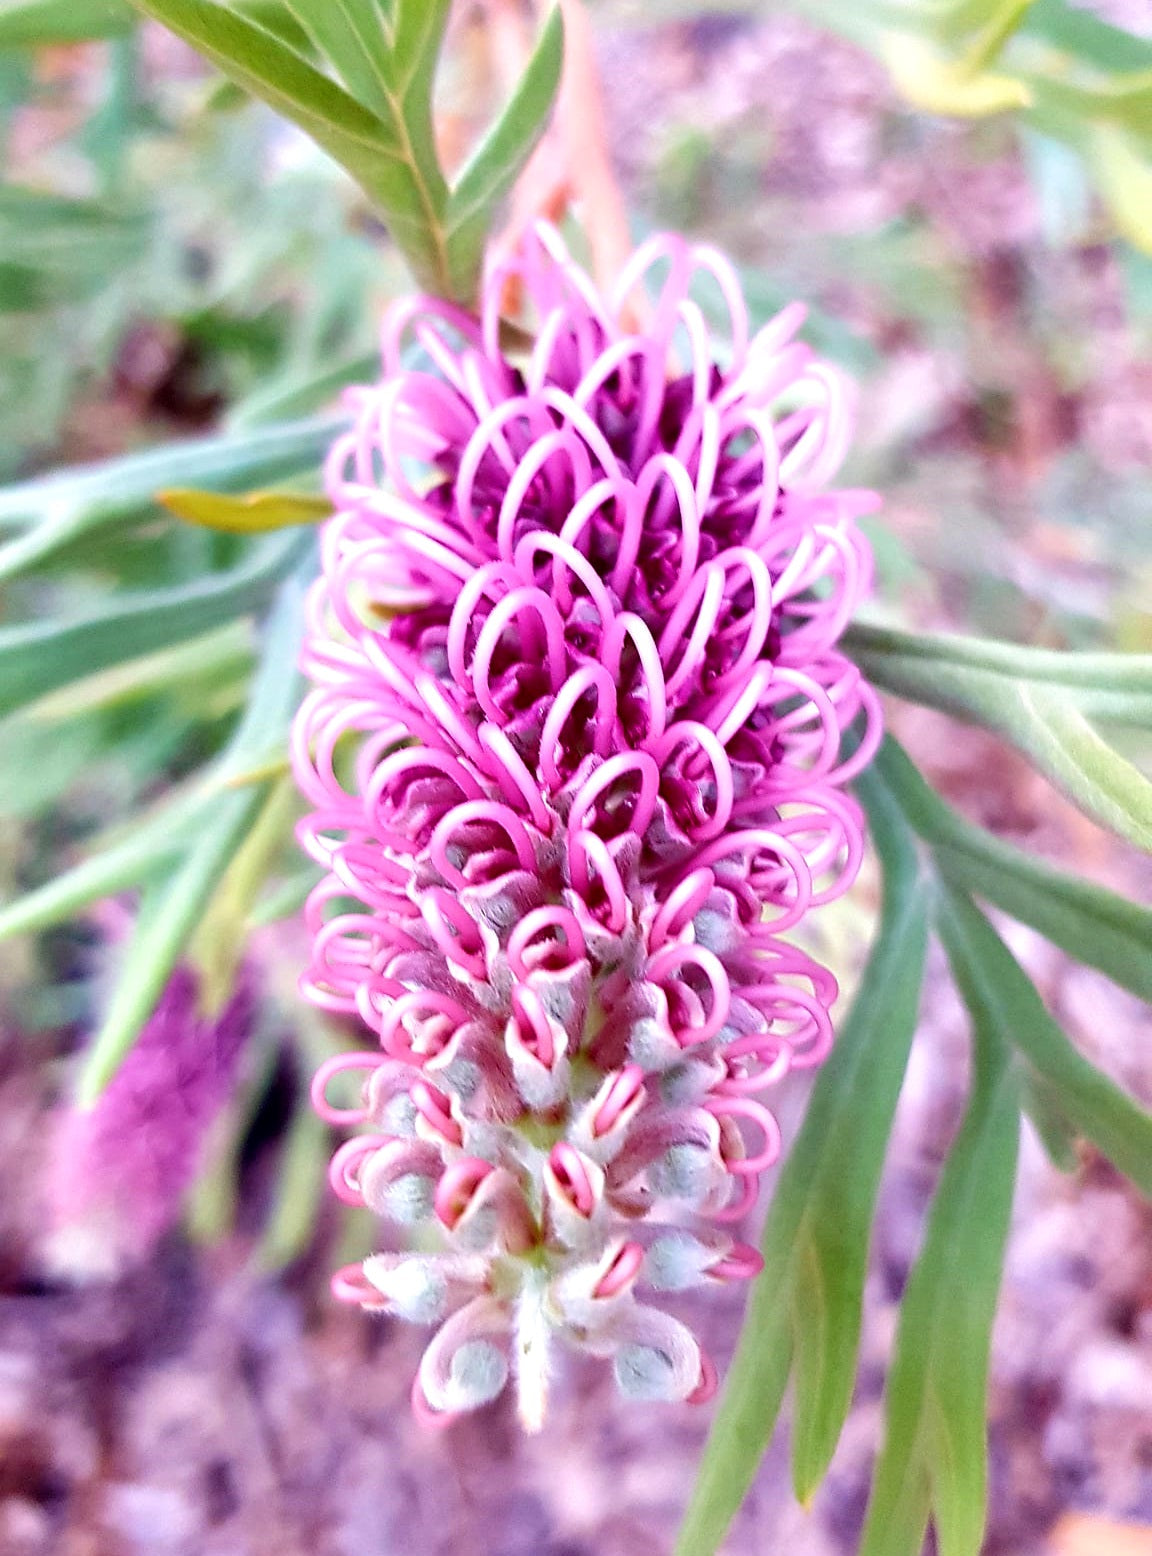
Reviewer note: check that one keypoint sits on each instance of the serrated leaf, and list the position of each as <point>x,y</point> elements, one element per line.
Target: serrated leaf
<point>42,656</point>
<point>254,514</point>
<point>807,1302</point>
<point>999,993</point>
<point>933,1460</point>
<point>494,166</point>
<point>1094,925</point>
<point>1037,700</point>
<point>33,23</point>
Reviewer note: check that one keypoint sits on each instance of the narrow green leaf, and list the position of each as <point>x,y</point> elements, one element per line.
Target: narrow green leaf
<point>163,934</point>
<point>33,23</point>
<point>1092,924</point>
<point>254,514</point>
<point>496,163</point>
<point>1083,676</point>
<point>1124,175</point>
<point>933,1460</point>
<point>999,993</point>
<point>350,34</point>
<point>1064,746</point>
<point>1036,700</point>
<point>1123,101</point>
<point>56,511</point>
<point>1058,1137</point>
<point>40,657</point>
<point>145,854</point>
<point>393,163</point>
<point>297,392</point>
<point>299,1192</point>
<point>816,1237</point>
<point>219,657</point>
<point>1087,37</point>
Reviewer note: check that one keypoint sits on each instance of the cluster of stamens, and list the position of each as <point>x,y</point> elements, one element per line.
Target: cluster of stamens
<point>574,753</point>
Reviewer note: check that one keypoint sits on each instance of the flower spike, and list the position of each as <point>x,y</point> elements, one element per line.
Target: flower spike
<point>575,750</point>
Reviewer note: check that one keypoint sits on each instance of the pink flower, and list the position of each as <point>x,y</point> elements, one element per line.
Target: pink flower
<point>120,1170</point>
<point>574,750</point>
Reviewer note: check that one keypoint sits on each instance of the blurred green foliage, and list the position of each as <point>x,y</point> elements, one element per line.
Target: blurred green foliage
<point>186,284</point>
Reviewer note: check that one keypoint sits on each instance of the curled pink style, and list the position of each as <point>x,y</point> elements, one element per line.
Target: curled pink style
<point>576,762</point>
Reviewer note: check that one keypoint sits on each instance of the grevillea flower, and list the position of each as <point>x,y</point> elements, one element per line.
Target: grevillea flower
<point>120,1170</point>
<point>574,748</point>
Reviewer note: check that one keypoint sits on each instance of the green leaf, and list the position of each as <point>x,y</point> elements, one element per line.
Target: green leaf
<point>42,656</point>
<point>1094,925</point>
<point>298,1196</point>
<point>40,763</point>
<point>941,671</point>
<point>219,657</point>
<point>56,511</point>
<point>933,1461</point>
<point>807,1302</point>
<point>351,35</point>
<point>1063,745</point>
<point>942,86</point>
<point>1125,178</point>
<point>31,23</point>
<point>254,514</point>
<point>297,392</point>
<point>392,159</point>
<point>1058,1137</point>
<point>1037,700</point>
<point>496,163</point>
<point>144,854</point>
<point>1001,995</point>
<point>163,934</point>
<point>1087,37</point>
<point>229,462</point>
<point>59,250</point>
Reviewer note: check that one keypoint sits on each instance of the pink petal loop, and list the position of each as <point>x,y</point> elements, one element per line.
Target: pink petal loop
<point>709,1381</point>
<point>350,1284</point>
<point>572,1178</point>
<point>434,1108</point>
<point>618,1094</point>
<point>343,1168</point>
<point>339,1065</point>
<point>456,1188</point>
<point>621,1272</point>
<point>741,1262</point>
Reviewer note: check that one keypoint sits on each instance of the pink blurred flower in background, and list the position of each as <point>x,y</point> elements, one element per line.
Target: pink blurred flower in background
<point>120,1171</point>
<point>574,750</point>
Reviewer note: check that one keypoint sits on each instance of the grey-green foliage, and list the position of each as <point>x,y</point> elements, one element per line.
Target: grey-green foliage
<point>363,91</point>
<point>804,1316</point>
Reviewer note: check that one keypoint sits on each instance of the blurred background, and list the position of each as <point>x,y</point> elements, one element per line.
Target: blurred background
<point>178,264</point>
